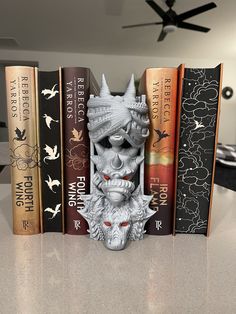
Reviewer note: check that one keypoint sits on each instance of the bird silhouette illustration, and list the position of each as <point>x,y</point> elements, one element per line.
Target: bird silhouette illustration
<point>51,183</point>
<point>77,136</point>
<point>54,212</point>
<point>161,135</point>
<point>20,135</point>
<point>51,92</point>
<point>52,153</point>
<point>49,120</point>
<point>198,125</point>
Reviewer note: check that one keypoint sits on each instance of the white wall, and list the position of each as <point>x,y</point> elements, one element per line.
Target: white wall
<point>119,68</point>
<point>3,109</point>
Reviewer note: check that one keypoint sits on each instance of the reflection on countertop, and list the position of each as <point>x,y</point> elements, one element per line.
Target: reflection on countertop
<point>55,273</point>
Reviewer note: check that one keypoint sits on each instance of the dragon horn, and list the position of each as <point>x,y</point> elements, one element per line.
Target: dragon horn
<point>105,91</point>
<point>130,91</point>
<point>116,162</point>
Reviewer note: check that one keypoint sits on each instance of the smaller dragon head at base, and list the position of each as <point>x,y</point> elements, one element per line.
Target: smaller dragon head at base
<point>116,224</point>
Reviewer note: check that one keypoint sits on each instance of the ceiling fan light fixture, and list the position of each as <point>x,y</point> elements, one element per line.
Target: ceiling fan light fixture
<point>169,28</point>
<point>171,20</point>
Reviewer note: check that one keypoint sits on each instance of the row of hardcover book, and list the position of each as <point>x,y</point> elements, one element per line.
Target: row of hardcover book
<point>50,147</point>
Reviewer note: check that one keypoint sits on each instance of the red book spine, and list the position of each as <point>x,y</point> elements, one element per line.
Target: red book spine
<point>75,87</point>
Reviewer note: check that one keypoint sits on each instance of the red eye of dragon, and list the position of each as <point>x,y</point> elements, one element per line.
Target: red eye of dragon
<point>126,178</point>
<point>106,177</point>
<point>107,223</point>
<point>124,224</point>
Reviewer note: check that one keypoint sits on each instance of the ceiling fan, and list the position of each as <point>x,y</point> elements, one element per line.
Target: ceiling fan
<point>171,21</point>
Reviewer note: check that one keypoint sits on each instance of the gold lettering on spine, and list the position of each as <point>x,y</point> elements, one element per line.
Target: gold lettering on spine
<point>159,192</point>
<point>75,190</point>
<point>80,100</point>
<point>75,102</point>
<point>161,100</point>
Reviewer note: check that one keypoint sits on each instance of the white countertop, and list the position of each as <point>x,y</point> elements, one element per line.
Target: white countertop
<point>55,273</point>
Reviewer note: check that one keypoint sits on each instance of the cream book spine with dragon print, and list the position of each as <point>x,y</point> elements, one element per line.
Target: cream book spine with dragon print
<point>22,126</point>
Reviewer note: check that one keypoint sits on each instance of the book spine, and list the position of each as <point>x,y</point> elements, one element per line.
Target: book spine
<point>197,145</point>
<point>220,69</point>
<point>49,118</point>
<point>177,136</point>
<point>159,168</point>
<point>21,105</point>
<point>75,86</point>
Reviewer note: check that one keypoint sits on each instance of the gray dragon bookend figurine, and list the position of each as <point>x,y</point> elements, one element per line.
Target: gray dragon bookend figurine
<point>117,209</point>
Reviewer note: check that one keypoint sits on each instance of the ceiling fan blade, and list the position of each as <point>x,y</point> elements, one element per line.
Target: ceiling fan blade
<point>162,36</point>
<point>193,27</point>
<point>144,24</point>
<point>196,11</point>
<point>156,8</point>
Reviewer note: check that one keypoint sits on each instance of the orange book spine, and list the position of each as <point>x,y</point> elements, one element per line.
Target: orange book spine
<point>160,86</point>
<point>22,126</point>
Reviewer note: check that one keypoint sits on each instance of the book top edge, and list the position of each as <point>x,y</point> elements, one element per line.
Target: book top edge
<point>161,69</point>
<point>20,66</point>
<point>77,67</point>
<point>171,68</point>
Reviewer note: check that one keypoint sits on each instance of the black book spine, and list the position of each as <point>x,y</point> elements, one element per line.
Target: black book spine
<point>49,121</point>
<point>197,144</point>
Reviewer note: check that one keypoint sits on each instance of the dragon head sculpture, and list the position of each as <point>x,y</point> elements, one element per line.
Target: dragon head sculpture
<point>125,115</point>
<point>117,210</point>
<point>116,224</point>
